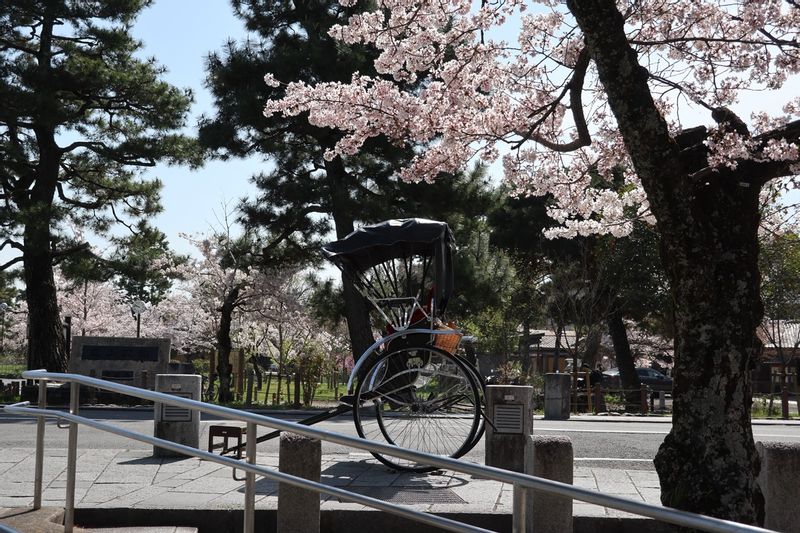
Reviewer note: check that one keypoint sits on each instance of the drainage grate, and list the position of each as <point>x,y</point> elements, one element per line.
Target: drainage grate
<point>408,495</point>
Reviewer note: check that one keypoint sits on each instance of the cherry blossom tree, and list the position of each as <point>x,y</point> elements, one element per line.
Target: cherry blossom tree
<point>15,332</point>
<point>223,278</point>
<point>100,309</point>
<point>233,285</point>
<point>96,307</point>
<point>292,335</point>
<point>651,88</point>
<point>182,318</point>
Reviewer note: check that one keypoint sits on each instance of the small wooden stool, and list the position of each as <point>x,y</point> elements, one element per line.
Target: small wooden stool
<point>226,432</point>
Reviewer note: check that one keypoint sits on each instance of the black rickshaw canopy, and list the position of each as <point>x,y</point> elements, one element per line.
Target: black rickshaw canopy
<point>372,245</point>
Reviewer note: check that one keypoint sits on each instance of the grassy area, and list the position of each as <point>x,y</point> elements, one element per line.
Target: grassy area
<point>323,393</point>
<point>11,370</point>
<point>264,398</point>
<point>761,407</point>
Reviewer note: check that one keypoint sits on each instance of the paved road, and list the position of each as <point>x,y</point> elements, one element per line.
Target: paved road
<point>608,443</point>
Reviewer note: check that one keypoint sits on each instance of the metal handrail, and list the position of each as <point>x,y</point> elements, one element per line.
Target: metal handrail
<point>518,480</point>
<point>255,469</point>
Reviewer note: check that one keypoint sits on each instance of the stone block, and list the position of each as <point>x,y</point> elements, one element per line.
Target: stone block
<point>127,360</point>
<point>507,438</point>
<point>556,396</point>
<point>552,459</point>
<point>299,509</point>
<point>177,424</point>
<point>780,464</point>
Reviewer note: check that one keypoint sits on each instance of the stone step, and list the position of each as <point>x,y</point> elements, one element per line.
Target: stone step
<point>151,529</point>
<point>51,520</point>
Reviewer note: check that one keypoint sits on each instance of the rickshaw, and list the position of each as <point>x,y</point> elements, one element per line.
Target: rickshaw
<point>411,388</point>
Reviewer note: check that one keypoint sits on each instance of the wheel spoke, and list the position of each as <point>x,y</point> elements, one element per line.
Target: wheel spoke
<point>433,406</point>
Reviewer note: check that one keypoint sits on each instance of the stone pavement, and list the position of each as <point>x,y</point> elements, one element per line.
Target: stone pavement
<point>134,479</point>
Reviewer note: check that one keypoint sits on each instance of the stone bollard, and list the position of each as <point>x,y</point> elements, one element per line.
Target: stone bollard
<point>780,463</point>
<point>552,459</point>
<point>556,396</point>
<point>177,424</point>
<point>510,445</point>
<point>298,509</point>
<point>510,408</point>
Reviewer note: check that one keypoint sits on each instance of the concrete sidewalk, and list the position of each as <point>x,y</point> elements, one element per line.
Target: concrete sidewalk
<point>134,480</point>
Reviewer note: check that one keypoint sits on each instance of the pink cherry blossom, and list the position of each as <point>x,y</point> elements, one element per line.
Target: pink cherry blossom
<point>535,101</point>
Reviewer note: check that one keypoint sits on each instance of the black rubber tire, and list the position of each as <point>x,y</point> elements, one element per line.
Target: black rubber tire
<point>421,398</point>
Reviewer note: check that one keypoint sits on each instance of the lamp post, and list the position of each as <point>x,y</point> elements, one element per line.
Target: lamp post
<point>137,308</point>
<point>3,308</point>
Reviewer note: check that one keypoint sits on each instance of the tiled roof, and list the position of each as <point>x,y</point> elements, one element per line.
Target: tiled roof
<point>783,333</point>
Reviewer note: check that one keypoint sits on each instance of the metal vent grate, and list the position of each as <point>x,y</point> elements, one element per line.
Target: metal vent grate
<point>508,418</point>
<point>170,413</point>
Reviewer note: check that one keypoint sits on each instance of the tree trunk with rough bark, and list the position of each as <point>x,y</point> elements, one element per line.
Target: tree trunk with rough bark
<point>224,345</point>
<point>707,463</point>
<point>358,323</point>
<point>46,344</point>
<point>356,306</point>
<point>594,336</point>
<point>628,378</point>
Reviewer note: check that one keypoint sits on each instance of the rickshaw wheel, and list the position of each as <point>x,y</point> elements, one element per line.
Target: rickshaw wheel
<point>421,398</point>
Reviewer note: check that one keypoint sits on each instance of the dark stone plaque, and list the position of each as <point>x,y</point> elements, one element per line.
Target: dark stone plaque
<point>119,353</point>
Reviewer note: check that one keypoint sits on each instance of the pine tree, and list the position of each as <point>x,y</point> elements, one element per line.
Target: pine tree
<point>82,115</point>
<point>305,194</point>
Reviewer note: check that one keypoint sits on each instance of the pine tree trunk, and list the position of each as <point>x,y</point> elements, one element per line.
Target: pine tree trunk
<point>358,323</point>
<point>46,344</point>
<point>224,345</point>
<point>628,378</point>
<point>594,336</point>
<point>356,306</point>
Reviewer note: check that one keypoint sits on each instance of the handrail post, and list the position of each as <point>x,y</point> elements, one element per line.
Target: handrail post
<point>250,480</point>
<point>72,453</point>
<point>39,466</point>
<point>519,520</point>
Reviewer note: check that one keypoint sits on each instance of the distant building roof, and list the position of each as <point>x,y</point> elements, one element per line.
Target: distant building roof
<point>780,333</point>
<point>548,339</point>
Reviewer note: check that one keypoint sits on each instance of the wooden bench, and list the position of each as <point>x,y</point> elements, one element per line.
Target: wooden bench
<point>226,432</point>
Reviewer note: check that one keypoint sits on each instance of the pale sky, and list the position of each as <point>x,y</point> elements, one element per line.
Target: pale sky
<point>180,33</point>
